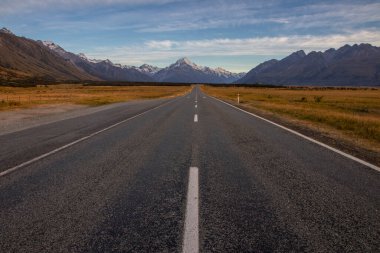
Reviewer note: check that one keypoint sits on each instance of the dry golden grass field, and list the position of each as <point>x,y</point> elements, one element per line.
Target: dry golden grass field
<point>350,114</point>
<point>15,97</point>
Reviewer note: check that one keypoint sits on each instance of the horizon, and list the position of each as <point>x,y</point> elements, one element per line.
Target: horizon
<point>235,36</point>
<point>186,58</point>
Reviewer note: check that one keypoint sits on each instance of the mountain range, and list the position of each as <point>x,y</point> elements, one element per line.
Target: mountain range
<point>182,71</point>
<point>22,58</point>
<point>26,59</point>
<point>101,69</point>
<point>347,66</point>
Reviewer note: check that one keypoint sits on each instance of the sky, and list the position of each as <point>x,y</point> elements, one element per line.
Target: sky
<point>234,34</point>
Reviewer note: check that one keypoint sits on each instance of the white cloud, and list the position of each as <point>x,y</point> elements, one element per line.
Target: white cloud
<point>213,14</point>
<point>16,6</point>
<point>260,16</point>
<point>161,45</point>
<point>334,15</point>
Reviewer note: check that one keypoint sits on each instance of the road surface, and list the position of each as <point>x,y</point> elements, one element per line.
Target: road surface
<point>181,175</point>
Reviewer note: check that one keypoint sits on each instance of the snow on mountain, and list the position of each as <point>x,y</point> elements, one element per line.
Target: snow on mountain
<point>103,69</point>
<point>84,57</point>
<point>184,70</point>
<point>6,30</point>
<point>148,69</point>
<point>185,62</point>
<point>52,46</point>
<point>225,73</point>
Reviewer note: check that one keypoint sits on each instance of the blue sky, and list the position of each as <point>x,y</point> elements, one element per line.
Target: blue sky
<point>236,35</point>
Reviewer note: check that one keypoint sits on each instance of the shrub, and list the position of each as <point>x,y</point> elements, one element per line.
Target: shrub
<point>318,99</point>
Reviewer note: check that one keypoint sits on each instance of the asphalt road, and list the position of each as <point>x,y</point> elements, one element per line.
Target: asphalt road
<point>252,186</point>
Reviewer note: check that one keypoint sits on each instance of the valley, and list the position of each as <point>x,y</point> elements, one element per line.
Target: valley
<point>189,126</point>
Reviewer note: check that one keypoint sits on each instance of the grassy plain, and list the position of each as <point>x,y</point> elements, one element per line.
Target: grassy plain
<point>350,114</point>
<point>16,97</point>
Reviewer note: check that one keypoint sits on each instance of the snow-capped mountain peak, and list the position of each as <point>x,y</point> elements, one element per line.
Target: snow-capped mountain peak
<point>6,30</point>
<point>222,71</point>
<point>148,69</point>
<point>51,45</point>
<point>58,49</point>
<point>184,62</point>
<point>109,62</point>
<point>83,56</point>
<point>184,70</point>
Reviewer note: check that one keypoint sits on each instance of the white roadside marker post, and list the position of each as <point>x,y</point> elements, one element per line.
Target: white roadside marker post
<point>238,98</point>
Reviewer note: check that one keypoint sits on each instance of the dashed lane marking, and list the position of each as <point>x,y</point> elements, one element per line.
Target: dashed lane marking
<point>191,231</point>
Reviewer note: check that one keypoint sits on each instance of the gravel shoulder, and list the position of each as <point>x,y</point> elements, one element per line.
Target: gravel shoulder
<point>328,136</point>
<point>21,119</point>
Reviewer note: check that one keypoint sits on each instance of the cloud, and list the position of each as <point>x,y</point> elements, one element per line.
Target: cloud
<point>17,6</point>
<point>162,50</point>
<point>161,45</point>
<point>334,15</point>
<point>213,14</point>
<point>149,16</point>
<point>330,16</point>
<point>139,31</point>
<point>209,24</point>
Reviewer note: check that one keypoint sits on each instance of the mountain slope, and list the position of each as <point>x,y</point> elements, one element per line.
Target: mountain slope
<point>103,69</point>
<point>185,71</point>
<point>22,58</point>
<point>349,65</point>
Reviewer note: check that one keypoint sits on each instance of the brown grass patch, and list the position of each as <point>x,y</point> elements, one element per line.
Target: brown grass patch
<point>352,114</point>
<point>15,97</point>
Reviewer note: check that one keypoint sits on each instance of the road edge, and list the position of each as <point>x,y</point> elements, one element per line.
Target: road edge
<point>56,150</point>
<point>358,160</point>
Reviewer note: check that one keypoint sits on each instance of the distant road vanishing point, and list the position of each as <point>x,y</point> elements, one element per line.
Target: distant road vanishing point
<point>187,174</point>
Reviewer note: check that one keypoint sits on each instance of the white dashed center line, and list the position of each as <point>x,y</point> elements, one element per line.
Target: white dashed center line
<point>196,118</point>
<point>191,233</point>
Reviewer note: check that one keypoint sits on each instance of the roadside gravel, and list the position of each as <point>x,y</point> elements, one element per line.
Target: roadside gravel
<point>20,119</point>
